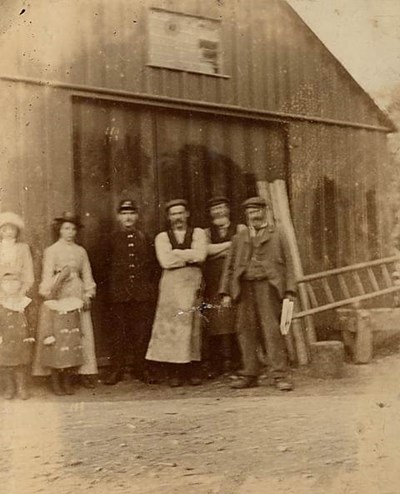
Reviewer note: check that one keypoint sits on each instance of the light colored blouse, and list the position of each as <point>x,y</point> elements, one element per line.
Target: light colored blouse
<point>170,258</point>
<point>15,258</point>
<point>80,283</point>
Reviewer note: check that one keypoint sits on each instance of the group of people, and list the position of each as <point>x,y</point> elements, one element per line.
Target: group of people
<point>218,300</point>
<point>62,344</point>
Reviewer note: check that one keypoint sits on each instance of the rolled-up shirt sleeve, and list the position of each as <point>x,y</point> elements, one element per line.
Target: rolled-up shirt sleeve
<point>167,258</point>
<point>198,251</point>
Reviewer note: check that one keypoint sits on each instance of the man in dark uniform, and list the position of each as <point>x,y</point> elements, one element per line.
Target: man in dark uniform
<point>131,295</point>
<point>258,274</point>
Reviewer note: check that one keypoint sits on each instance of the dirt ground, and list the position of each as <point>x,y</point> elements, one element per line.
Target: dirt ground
<point>335,437</point>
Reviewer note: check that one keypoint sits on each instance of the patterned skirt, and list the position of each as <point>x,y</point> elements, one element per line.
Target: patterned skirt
<point>14,349</point>
<point>65,349</point>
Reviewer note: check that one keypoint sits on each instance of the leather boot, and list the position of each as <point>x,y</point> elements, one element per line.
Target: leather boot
<point>22,385</point>
<point>114,377</point>
<point>227,366</point>
<point>283,384</point>
<point>245,382</point>
<point>195,374</point>
<point>66,382</point>
<point>88,381</point>
<point>176,378</point>
<point>56,383</point>
<point>9,382</point>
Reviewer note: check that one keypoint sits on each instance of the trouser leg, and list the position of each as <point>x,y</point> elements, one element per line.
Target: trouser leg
<point>21,379</point>
<point>176,374</point>
<point>236,352</point>
<point>226,352</point>
<point>210,341</point>
<point>117,336</point>
<point>56,384</point>
<point>139,329</point>
<point>9,382</point>
<point>268,310</point>
<point>226,346</point>
<point>214,353</point>
<point>66,380</point>
<point>248,333</point>
<point>221,352</point>
<point>194,373</point>
<point>172,370</point>
<point>220,348</point>
<point>205,347</point>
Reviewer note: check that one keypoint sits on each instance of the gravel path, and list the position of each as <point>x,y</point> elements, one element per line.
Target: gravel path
<point>338,437</point>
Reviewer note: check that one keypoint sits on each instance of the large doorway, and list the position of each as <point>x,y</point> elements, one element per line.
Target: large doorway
<point>153,156</point>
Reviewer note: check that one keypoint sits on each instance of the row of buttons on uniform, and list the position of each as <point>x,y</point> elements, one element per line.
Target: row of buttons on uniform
<point>131,276</point>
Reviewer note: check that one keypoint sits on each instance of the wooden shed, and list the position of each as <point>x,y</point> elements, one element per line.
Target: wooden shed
<point>163,98</point>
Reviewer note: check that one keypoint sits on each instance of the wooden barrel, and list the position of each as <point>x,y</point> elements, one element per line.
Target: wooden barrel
<point>327,359</point>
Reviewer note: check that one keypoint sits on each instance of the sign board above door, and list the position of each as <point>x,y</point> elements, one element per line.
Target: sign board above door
<point>184,42</point>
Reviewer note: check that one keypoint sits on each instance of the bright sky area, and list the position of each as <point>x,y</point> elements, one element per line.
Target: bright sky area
<point>363,34</point>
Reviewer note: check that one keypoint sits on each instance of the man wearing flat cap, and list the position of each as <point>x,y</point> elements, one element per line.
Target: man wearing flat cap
<point>258,275</point>
<point>131,293</point>
<point>176,336</point>
<point>220,327</point>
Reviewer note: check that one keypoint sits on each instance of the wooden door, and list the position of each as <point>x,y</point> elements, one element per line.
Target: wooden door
<point>201,157</point>
<point>113,160</point>
<point>123,151</point>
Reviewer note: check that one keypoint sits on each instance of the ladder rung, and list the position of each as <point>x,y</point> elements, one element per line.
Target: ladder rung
<point>342,303</point>
<point>328,291</point>
<point>372,279</point>
<point>343,286</point>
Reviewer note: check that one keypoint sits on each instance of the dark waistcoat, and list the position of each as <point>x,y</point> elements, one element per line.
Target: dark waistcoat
<point>213,267</point>
<point>216,237</point>
<point>187,241</point>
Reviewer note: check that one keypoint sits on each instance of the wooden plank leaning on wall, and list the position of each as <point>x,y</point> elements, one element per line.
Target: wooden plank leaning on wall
<point>276,193</point>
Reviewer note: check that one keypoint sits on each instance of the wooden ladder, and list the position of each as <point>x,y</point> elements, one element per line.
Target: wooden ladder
<point>349,285</point>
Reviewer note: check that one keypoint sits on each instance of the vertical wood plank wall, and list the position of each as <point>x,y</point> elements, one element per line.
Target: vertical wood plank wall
<point>272,59</point>
<point>352,164</point>
<point>36,158</point>
<point>37,176</point>
<point>338,177</point>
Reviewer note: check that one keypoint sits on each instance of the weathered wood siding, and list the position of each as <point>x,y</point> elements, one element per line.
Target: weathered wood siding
<point>274,62</point>
<point>59,145</point>
<point>339,184</point>
<point>36,178</point>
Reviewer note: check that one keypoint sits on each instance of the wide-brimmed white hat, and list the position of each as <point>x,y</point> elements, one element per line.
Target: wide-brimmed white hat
<point>10,218</point>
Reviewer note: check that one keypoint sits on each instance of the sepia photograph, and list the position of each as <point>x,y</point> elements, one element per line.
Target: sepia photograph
<point>200,246</point>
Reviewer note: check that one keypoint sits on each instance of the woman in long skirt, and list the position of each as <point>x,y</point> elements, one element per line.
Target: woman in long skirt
<point>65,340</point>
<point>16,278</point>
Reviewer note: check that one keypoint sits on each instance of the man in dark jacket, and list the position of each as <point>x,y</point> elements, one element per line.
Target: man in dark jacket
<point>258,274</point>
<point>131,293</point>
<point>219,338</point>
